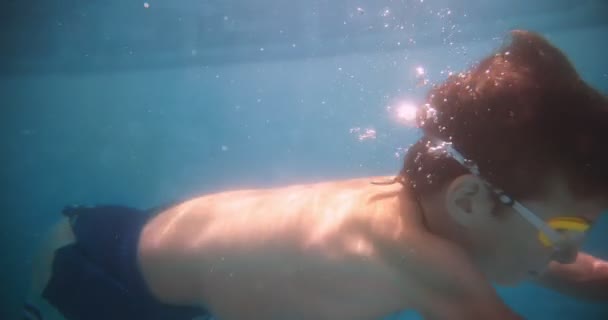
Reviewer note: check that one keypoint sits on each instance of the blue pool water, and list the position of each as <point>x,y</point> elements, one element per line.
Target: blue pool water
<point>147,102</point>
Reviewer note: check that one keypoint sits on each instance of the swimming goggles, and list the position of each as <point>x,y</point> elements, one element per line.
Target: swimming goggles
<point>563,234</point>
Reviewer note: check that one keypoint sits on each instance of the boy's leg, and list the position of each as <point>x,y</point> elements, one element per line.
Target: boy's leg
<point>36,307</point>
<point>88,268</point>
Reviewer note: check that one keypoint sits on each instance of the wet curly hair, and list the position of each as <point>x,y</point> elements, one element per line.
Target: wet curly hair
<point>521,114</point>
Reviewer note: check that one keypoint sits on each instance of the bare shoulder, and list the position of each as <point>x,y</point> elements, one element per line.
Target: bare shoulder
<point>456,288</point>
<point>441,281</point>
<point>438,277</point>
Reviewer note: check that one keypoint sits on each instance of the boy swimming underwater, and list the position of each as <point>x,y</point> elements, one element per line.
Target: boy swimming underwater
<point>503,185</point>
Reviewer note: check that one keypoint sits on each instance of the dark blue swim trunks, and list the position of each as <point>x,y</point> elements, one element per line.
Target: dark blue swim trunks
<point>97,277</point>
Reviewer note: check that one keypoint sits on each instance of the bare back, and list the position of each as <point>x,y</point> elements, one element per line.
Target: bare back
<point>335,250</point>
<point>294,252</point>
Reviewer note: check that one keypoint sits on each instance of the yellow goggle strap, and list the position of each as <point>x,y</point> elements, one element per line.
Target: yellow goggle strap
<point>564,225</point>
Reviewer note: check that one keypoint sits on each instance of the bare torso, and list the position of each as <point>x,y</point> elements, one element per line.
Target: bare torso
<point>299,252</point>
<point>335,250</point>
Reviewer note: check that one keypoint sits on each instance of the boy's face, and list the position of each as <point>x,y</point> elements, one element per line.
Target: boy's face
<point>506,246</point>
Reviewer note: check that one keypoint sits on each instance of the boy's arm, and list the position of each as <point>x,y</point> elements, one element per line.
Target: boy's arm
<point>443,282</point>
<point>586,278</point>
<point>460,292</point>
<point>468,306</point>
